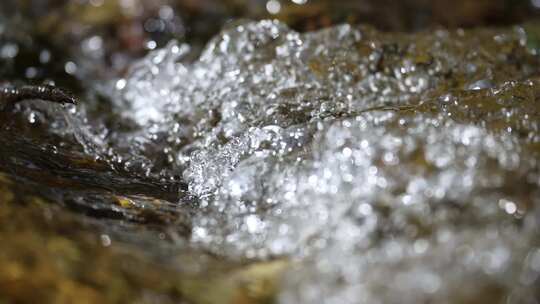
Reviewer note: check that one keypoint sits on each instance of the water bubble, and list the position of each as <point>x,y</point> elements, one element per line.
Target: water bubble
<point>273,6</point>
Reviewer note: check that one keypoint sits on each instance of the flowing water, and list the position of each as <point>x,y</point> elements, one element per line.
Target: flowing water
<point>372,167</point>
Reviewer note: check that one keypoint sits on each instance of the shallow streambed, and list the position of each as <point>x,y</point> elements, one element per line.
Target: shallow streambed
<point>345,165</point>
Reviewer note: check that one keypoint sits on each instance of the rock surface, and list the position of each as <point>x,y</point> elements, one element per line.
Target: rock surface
<point>385,167</point>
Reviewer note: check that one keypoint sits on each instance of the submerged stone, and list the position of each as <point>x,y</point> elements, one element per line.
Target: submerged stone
<point>388,167</point>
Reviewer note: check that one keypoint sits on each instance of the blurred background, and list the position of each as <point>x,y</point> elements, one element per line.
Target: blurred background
<point>70,40</point>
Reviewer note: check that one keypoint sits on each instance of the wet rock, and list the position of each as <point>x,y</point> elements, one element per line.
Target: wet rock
<point>389,167</point>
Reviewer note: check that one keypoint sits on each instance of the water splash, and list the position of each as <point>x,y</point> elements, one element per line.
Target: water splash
<point>393,167</point>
